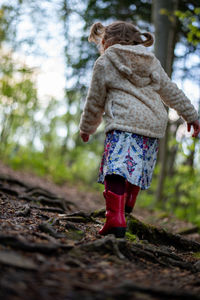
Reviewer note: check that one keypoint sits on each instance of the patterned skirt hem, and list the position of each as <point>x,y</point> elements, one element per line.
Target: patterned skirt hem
<point>129,155</point>
<point>132,181</point>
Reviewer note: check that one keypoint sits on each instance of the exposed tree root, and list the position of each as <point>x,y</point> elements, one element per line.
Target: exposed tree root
<point>9,191</point>
<point>161,257</point>
<point>50,209</point>
<point>66,255</point>
<point>24,212</point>
<point>187,231</point>
<point>53,202</point>
<point>107,244</point>
<point>128,290</point>
<point>34,194</point>
<point>123,249</point>
<point>12,181</point>
<point>144,231</point>
<point>16,260</point>
<point>47,228</point>
<point>16,243</point>
<point>128,287</point>
<point>79,217</point>
<point>160,236</point>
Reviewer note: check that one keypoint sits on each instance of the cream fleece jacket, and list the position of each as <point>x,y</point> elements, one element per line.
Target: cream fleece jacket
<point>129,87</point>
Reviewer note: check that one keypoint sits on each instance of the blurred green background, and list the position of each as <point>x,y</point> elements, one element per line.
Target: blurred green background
<point>45,70</point>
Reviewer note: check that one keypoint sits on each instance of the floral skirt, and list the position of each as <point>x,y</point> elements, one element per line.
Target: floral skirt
<point>129,155</point>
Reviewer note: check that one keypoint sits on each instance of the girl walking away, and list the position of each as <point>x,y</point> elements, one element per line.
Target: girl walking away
<point>129,87</point>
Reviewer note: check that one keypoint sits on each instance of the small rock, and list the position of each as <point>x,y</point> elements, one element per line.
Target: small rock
<point>24,212</point>
<point>197,265</point>
<point>16,260</point>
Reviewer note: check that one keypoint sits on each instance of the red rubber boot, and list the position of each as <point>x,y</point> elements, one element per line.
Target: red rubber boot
<point>115,219</point>
<point>130,196</point>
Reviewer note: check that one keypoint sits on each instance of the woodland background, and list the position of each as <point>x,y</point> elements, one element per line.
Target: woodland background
<point>39,130</point>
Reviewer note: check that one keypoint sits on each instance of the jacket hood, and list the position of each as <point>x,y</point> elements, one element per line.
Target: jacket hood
<point>135,63</point>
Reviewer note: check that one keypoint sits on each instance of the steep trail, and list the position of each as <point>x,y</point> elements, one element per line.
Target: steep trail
<point>50,247</point>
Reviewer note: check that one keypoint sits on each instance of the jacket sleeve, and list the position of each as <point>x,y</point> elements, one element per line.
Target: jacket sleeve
<point>95,101</point>
<point>174,98</point>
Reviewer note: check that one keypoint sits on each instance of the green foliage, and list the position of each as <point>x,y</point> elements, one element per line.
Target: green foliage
<point>167,13</point>
<point>190,21</point>
<point>76,166</point>
<point>130,236</point>
<point>197,255</point>
<point>18,101</point>
<point>62,158</point>
<point>181,194</point>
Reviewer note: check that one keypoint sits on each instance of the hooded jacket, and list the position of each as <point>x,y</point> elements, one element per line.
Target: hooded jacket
<point>130,87</point>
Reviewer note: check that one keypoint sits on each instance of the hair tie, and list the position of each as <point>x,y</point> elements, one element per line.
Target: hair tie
<point>137,36</point>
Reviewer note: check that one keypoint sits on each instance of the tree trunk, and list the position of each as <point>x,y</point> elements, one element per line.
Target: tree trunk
<point>165,39</point>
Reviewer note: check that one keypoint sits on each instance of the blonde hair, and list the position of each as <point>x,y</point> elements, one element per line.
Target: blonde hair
<point>119,32</point>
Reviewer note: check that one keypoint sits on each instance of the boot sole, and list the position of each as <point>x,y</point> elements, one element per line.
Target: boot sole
<point>128,209</point>
<point>119,232</point>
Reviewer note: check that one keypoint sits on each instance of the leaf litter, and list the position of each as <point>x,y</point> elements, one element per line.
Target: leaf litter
<point>50,248</point>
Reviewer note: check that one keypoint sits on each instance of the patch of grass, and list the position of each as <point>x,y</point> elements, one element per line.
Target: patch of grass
<point>197,255</point>
<point>75,234</point>
<point>131,237</point>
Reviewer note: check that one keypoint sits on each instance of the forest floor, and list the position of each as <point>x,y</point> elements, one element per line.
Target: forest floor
<point>50,247</point>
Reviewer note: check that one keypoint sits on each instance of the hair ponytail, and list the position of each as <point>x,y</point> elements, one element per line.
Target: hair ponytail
<point>149,39</point>
<point>96,32</point>
<point>119,32</point>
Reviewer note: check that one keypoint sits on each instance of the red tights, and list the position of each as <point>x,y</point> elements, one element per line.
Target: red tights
<point>115,184</point>
<point>118,185</point>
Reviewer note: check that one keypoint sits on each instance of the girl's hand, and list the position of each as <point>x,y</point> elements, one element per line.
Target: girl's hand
<point>196,127</point>
<point>85,137</point>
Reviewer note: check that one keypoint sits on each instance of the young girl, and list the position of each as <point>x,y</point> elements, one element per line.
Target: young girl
<point>129,87</point>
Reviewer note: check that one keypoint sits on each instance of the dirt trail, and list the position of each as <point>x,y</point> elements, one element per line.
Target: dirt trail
<point>50,249</point>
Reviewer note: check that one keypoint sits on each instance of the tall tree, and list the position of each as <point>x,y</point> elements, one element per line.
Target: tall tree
<point>169,31</point>
<point>165,24</point>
